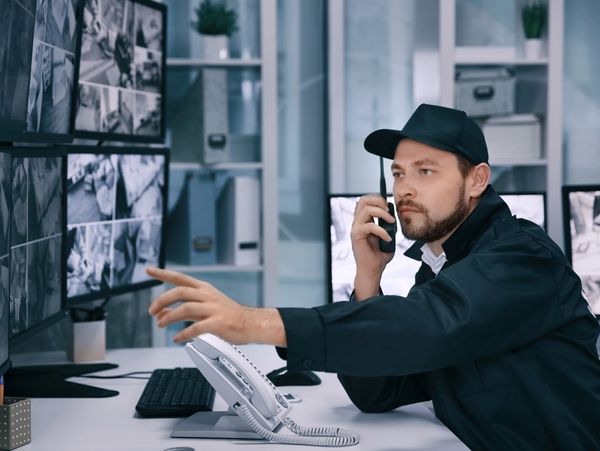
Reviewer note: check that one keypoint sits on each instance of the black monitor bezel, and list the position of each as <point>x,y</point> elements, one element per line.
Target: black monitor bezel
<point>76,301</point>
<point>60,138</point>
<point>328,225</point>
<point>566,213</point>
<point>106,136</point>
<point>41,152</point>
<point>12,130</point>
<point>529,193</point>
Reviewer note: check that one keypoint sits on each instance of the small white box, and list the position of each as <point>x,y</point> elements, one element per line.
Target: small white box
<point>515,137</point>
<point>238,222</point>
<point>87,341</point>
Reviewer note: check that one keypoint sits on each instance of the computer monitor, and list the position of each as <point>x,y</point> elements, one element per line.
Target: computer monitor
<point>530,205</point>
<point>122,71</point>
<point>37,281</point>
<point>5,201</point>
<point>399,275</point>
<point>53,78</point>
<point>116,210</point>
<point>581,221</point>
<point>17,18</point>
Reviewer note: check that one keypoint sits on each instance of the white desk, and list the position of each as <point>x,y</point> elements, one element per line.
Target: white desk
<point>112,423</point>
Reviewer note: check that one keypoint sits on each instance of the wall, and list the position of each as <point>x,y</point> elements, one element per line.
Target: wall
<point>581,93</point>
<point>302,154</point>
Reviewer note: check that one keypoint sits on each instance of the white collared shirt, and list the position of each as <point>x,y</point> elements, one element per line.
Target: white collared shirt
<point>433,261</point>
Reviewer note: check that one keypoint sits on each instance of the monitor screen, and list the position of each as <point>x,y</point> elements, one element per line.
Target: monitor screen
<point>17,18</point>
<point>37,239</point>
<point>399,275</point>
<point>5,201</point>
<point>52,82</point>
<point>122,71</point>
<point>581,213</point>
<point>116,206</point>
<point>527,205</point>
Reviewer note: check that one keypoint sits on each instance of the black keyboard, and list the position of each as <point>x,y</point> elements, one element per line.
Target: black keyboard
<point>175,392</point>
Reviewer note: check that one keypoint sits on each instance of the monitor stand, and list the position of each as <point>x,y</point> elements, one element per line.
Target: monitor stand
<point>49,381</point>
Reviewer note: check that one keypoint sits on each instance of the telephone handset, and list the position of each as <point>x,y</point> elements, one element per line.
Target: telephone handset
<point>253,397</point>
<point>390,228</point>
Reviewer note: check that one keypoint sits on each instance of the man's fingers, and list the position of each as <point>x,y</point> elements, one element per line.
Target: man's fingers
<point>190,332</point>
<point>371,200</point>
<point>371,228</point>
<point>369,212</point>
<point>174,295</point>
<point>190,311</point>
<point>173,277</point>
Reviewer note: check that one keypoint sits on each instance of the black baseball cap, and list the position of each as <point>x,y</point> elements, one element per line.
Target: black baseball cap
<point>437,126</point>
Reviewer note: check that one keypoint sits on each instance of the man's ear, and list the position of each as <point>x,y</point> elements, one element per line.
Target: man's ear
<point>480,178</point>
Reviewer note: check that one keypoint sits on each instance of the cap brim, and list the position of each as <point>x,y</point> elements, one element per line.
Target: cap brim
<point>383,142</point>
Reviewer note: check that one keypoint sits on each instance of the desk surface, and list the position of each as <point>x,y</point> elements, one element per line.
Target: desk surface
<point>112,423</point>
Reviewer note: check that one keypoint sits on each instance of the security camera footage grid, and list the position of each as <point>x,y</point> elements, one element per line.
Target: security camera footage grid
<point>5,183</point>
<point>399,275</point>
<point>584,227</point>
<point>120,74</point>
<point>114,220</point>
<point>16,33</point>
<point>52,66</point>
<point>36,241</point>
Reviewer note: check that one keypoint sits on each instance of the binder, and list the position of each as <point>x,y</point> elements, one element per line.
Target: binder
<point>191,228</point>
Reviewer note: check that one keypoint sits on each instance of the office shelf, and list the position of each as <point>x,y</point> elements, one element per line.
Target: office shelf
<point>200,63</point>
<point>539,91</point>
<point>183,166</point>
<point>214,268</point>
<point>517,162</point>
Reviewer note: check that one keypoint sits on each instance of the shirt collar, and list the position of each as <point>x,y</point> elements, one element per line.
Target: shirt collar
<point>459,243</point>
<point>435,262</point>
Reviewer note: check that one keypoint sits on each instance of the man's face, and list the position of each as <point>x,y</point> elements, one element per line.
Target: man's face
<point>429,191</point>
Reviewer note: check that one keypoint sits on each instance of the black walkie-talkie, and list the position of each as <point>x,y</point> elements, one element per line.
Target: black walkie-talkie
<point>390,228</point>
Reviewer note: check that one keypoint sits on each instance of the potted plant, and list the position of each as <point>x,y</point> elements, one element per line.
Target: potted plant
<point>215,23</point>
<point>533,16</point>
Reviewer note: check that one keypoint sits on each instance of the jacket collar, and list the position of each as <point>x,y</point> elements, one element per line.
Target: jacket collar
<point>458,244</point>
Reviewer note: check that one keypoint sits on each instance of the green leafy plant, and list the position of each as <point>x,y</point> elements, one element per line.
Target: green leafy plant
<point>214,18</point>
<point>533,15</point>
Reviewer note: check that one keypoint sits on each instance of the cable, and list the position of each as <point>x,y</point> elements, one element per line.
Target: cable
<point>121,376</point>
<point>321,436</point>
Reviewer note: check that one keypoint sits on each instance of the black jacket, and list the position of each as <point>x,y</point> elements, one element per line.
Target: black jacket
<point>501,340</point>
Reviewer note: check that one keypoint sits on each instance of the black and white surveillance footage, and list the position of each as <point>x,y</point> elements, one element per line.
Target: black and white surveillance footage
<point>120,72</point>
<point>16,29</point>
<point>114,213</point>
<point>36,243</point>
<point>53,67</point>
<point>585,242</point>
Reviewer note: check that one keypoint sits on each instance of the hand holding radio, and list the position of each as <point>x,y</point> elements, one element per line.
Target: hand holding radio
<point>366,234</point>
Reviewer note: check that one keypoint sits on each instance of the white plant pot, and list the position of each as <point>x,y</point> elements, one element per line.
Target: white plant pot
<point>215,47</point>
<point>534,49</point>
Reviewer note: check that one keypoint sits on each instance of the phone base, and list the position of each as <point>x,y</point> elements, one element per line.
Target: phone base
<point>214,425</point>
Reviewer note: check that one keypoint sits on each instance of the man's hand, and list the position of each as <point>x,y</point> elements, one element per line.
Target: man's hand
<point>365,235</point>
<point>213,312</point>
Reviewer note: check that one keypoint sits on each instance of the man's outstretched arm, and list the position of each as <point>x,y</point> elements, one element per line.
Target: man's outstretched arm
<point>213,312</point>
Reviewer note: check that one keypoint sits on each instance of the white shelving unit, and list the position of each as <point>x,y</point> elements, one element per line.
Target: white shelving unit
<point>189,62</point>
<point>267,166</point>
<point>549,69</point>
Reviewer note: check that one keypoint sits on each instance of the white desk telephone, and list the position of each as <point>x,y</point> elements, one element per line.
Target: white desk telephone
<point>252,397</point>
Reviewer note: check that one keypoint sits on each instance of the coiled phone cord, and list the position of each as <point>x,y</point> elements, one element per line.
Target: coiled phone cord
<point>314,436</point>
